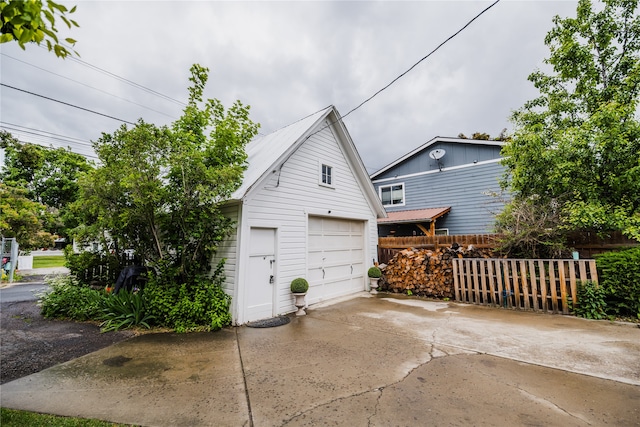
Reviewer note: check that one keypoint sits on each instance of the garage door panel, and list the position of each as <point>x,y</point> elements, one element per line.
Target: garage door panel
<point>315,223</point>
<point>332,257</point>
<point>315,242</point>
<point>314,275</point>
<point>358,269</point>
<point>355,241</point>
<point>334,224</point>
<point>337,272</point>
<point>335,258</point>
<point>314,259</point>
<point>357,255</point>
<point>335,241</point>
<point>331,290</point>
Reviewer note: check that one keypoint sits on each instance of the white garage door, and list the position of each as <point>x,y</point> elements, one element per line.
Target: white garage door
<point>335,258</point>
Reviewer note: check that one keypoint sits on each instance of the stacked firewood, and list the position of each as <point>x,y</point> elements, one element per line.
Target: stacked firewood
<point>426,272</point>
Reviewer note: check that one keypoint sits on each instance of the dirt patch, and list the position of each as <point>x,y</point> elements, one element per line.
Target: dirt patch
<point>31,343</point>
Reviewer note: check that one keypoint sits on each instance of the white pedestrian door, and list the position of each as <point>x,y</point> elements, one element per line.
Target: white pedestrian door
<point>260,285</point>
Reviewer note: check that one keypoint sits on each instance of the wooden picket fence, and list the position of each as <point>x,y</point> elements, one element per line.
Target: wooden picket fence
<point>529,284</point>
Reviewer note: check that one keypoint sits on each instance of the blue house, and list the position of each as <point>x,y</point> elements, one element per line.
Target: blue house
<point>441,187</point>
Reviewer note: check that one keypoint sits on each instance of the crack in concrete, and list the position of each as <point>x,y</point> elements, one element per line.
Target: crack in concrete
<point>539,399</point>
<point>377,405</point>
<point>549,403</point>
<point>338,399</point>
<point>244,379</point>
<point>380,390</point>
<point>362,393</point>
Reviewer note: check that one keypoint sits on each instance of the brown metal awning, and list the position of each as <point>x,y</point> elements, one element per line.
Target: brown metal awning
<point>414,216</point>
<point>417,216</point>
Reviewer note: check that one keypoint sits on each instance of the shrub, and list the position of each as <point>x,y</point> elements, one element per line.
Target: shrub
<point>124,310</point>
<point>202,305</point>
<point>68,299</point>
<point>299,285</point>
<point>591,302</point>
<point>85,265</point>
<point>374,272</point>
<point>619,274</point>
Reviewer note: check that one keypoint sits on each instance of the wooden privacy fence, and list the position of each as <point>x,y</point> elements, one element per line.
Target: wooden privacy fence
<point>530,284</point>
<point>389,246</point>
<point>586,244</point>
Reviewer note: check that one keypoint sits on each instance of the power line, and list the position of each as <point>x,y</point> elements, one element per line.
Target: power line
<point>82,146</point>
<point>117,77</point>
<point>21,128</point>
<point>36,136</point>
<point>341,118</point>
<point>127,81</point>
<point>27,139</point>
<point>86,85</point>
<point>422,59</point>
<point>66,103</point>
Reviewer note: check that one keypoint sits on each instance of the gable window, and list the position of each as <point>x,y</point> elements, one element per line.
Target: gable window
<point>326,175</point>
<point>392,195</point>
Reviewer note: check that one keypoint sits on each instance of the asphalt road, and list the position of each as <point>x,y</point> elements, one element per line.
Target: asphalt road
<point>21,292</point>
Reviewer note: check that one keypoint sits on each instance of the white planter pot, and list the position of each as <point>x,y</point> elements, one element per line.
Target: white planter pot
<point>373,284</point>
<point>299,303</point>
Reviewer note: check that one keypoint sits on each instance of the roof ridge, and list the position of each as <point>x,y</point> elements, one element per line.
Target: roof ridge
<point>303,118</point>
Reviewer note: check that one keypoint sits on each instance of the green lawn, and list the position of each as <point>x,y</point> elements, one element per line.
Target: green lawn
<point>48,261</point>
<point>12,418</point>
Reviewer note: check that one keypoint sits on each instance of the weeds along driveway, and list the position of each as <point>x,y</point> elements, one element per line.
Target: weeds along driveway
<point>361,361</point>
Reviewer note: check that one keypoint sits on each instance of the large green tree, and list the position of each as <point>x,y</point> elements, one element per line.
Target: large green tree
<point>23,219</point>
<point>159,190</point>
<point>575,150</point>
<point>49,177</point>
<point>34,21</point>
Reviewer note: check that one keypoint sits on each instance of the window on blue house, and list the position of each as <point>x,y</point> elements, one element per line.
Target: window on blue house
<point>392,195</point>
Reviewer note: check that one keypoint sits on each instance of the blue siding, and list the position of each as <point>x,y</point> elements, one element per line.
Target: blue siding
<point>456,154</point>
<point>462,189</point>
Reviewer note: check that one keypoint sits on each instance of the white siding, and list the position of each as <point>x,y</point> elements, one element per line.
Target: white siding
<point>228,250</point>
<point>286,206</point>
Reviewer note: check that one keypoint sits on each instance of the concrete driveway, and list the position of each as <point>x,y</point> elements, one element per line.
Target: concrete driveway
<point>378,361</point>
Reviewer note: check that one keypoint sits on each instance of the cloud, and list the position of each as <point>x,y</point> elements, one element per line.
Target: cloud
<point>287,60</point>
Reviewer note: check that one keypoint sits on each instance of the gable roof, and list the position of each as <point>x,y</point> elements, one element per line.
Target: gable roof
<point>268,153</point>
<point>432,142</point>
<point>264,151</point>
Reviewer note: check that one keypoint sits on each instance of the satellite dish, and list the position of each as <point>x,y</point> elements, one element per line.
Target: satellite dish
<point>437,154</point>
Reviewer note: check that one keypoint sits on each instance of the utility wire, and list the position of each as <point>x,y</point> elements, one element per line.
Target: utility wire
<point>86,85</point>
<point>66,103</point>
<point>129,82</point>
<point>47,142</point>
<point>38,137</point>
<point>117,77</point>
<point>341,118</point>
<point>21,128</point>
<point>423,58</point>
<point>86,64</point>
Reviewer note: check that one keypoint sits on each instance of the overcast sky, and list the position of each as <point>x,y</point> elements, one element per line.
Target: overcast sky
<point>286,60</point>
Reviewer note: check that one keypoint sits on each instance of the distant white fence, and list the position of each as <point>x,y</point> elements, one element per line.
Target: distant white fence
<point>25,262</point>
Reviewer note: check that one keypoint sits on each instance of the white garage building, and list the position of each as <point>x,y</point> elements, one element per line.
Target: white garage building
<point>306,209</point>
